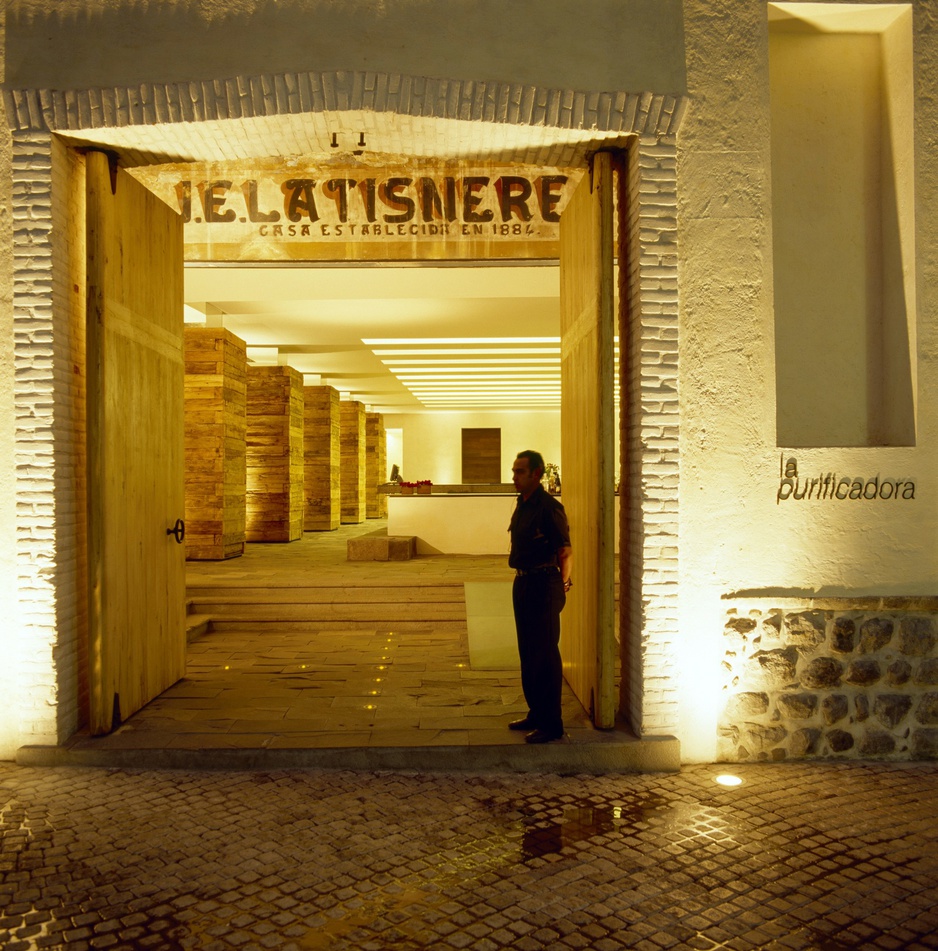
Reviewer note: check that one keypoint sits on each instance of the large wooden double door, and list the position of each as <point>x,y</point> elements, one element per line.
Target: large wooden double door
<point>588,420</point>
<point>135,441</point>
<point>136,570</point>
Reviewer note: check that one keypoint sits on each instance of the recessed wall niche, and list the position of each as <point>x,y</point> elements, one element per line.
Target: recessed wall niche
<point>842,223</point>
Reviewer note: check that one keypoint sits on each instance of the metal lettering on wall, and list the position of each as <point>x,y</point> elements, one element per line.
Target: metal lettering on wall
<point>453,212</point>
<point>833,486</point>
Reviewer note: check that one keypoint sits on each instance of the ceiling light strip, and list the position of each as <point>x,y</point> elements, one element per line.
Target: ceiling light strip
<point>466,341</point>
<point>482,361</point>
<point>412,351</point>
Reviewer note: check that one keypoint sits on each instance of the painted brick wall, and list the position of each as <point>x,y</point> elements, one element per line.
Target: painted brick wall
<point>228,118</point>
<point>649,638</point>
<point>299,109</point>
<point>47,394</point>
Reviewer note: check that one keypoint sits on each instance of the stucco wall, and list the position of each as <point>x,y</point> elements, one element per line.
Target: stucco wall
<point>736,535</point>
<point>727,384</point>
<point>556,43</point>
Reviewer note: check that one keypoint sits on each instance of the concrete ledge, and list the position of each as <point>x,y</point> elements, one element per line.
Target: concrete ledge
<point>611,753</point>
<point>379,546</point>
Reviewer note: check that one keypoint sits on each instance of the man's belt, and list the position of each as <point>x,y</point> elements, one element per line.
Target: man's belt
<point>537,570</point>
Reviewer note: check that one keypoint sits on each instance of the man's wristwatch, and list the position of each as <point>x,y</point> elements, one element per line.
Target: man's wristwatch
<point>567,585</point>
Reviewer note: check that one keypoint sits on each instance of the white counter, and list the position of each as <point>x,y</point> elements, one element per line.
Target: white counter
<point>453,524</point>
<point>458,524</point>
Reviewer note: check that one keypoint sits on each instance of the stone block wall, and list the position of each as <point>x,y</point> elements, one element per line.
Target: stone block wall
<point>352,455</point>
<point>376,503</point>
<point>215,434</point>
<point>321,435</point>
<point>274,453</point>
<point>853,680</point>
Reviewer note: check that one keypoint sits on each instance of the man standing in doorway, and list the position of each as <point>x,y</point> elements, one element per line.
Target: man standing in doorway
<point>542,558</point>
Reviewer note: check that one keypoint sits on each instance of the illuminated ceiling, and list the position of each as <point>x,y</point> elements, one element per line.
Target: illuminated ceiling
<point>400,339</point>
<point>330,321</point>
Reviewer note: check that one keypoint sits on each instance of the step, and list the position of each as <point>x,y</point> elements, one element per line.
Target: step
<point>329,610</point>
<point>599,753</point>
<point>328,594</point>
<point>379,546</point>
<point>261,626</point>
<point>197,625</point>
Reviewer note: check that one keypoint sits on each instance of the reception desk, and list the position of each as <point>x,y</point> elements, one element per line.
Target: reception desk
<point>454,524</point>
<point>457,522</point>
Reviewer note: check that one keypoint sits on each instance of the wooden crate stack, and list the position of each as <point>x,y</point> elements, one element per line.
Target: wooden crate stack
<point>352,476</point>
<point>322,459</point>
<point>275,482</point>
<point>376,464</point>
<point>215,422</point>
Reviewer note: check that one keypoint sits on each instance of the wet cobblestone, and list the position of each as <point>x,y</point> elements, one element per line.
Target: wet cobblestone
<point>819,856</point>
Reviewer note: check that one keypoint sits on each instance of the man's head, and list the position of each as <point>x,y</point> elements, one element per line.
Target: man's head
<point>526,471</point>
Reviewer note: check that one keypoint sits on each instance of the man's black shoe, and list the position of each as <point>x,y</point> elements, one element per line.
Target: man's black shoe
<point>542,736</point>
<point>524,724</point>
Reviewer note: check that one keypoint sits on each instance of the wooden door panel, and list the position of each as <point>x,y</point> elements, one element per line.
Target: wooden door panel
<point>481,456</point>
<point>135,445</point>
<point>587,306</point>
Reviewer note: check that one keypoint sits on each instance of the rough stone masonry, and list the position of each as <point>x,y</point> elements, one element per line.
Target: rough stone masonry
<point>857,680</point>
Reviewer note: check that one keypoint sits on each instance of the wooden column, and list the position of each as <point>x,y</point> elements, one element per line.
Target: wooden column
<point>352,441</point>
<point>322,458</point>
<point>376,465</point>
<point>274,454</point>
<point>215,423</point>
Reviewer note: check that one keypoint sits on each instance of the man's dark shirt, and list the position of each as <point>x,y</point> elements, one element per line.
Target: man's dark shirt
<point>538,528</point>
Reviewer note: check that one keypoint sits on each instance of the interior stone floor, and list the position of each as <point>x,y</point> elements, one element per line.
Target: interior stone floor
<point>355,688</point>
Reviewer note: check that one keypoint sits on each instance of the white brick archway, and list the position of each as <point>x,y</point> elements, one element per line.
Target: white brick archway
<point>298,113</point>
<point>304,114</point>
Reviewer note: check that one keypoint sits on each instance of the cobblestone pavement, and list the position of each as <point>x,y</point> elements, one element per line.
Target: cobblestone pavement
<point>800,856</point>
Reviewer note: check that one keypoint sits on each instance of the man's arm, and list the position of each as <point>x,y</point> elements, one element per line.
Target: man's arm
<point>565,557</point>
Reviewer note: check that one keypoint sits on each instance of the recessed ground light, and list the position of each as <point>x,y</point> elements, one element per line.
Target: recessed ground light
<point>727,779</point>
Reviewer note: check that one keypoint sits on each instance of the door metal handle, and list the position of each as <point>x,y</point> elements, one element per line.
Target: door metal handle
<point>179,530</point>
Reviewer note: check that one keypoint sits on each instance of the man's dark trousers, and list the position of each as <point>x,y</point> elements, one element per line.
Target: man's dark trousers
<point>538,598</point>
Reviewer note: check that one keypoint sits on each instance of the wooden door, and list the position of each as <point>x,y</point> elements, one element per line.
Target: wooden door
<point>481,456</point>
<point>135,445</point>
<point>587,309</point>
